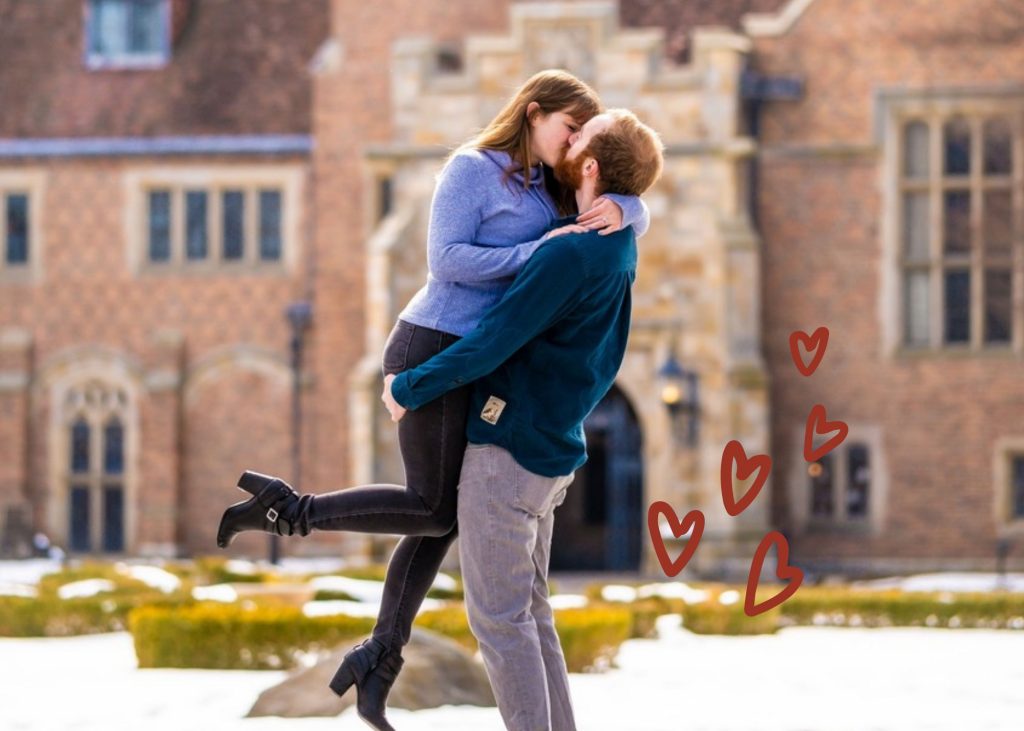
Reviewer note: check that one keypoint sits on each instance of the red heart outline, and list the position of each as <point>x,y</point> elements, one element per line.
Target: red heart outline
<point>745,466</point>
<point>816,423</point>
<point>791,574</point>
<point>815,343</point>
<point>694,518</point>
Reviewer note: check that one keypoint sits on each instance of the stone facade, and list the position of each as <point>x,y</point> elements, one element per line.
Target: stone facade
<point>699,268</point>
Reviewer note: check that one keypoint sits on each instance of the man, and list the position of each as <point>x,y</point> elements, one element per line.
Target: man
<point>545,355</point>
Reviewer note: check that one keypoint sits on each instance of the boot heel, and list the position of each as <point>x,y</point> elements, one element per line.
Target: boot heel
<point>344,679</point>
<point>253,482</point>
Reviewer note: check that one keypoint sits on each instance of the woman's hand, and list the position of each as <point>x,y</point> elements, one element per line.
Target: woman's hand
<point>605,216</point>
<point>396,410</point>
<point>572,228</point>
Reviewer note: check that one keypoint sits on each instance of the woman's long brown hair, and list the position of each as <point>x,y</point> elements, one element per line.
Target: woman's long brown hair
<point>509,131</point>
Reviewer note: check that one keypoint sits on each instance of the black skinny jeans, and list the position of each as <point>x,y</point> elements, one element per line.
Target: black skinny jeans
<point>432,440</point>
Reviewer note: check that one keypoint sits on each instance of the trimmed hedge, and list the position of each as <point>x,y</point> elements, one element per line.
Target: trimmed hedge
<point>369,572</point>
<point>329,595</point>
<point>893,608</point>
<point>840,606</point>
<point>590,636</point>
<point>47,615</point>
<point>214,570</point>
<point>451,622</point>
<point>230,637</point>
<point>830,606</point>
<point>226,636</point>
<point>54,617</point>
<point>25,617</point>
<point>645,613</point>
<point>714,618</point>
<point>50,584</point>
<point>378,572</point>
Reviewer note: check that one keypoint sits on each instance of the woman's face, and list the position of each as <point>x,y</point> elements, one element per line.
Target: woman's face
<point>549,135</point>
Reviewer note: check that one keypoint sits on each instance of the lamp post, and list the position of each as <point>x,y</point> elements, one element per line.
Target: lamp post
<point>1002,551</point>
<point>300,317</point>
<point>678,387</point>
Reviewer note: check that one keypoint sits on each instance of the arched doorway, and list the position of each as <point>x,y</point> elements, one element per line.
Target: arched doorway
<point>599,526</point>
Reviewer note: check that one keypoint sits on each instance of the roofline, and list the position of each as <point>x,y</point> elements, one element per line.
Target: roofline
<point>140,146</point>
<point>759,25</point>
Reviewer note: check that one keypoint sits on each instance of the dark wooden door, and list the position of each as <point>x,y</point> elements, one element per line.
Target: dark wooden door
<point>599,526</point>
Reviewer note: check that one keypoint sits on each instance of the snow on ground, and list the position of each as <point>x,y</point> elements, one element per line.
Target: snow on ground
<point>567,601</point>
<point>84,588</point>
<point>360,589</point>
<point>215,593</point>
<point>802,679</point>
<point>28,571</point>
<point>10,588</point>
<point>153,576</point>
<point>366,590</point>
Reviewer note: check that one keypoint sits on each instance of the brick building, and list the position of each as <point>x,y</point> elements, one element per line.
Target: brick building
<point>174,174</point>
<point>890,205</point>
<point>165,177</point>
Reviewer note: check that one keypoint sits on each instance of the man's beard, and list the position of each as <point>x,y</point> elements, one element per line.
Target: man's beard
<point>570,172</point>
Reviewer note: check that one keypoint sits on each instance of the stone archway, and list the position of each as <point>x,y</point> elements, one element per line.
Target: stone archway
<point>598,527</point>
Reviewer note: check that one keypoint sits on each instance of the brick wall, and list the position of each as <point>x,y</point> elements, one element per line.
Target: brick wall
<point>236,68</point>
<point>821,217</point>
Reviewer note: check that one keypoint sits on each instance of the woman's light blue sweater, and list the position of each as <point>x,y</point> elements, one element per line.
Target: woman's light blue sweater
<point>481,233</point>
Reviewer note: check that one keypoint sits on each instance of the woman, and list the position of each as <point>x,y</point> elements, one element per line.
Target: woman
<point>495,192</point>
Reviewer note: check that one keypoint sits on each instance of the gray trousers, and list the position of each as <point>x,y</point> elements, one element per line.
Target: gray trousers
<point>506,514</point>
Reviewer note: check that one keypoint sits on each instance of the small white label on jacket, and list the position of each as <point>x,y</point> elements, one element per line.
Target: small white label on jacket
<point>492,410</point>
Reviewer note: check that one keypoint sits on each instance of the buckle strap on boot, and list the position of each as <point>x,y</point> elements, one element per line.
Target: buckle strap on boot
<point>275,497</point>
<point>390,665</point>
<point>365,657</point>
<point>274,493</point>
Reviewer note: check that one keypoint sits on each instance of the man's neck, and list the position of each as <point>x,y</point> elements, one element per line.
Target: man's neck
<point>586,194</point>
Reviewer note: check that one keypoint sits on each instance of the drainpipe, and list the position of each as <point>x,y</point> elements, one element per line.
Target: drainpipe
<point>756,89</point>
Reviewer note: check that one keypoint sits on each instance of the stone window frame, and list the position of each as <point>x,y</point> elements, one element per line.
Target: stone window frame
<point>65,412</point>
<point>32,184</point>
<point>894,109</point>
<point>151,60</point>
<point>878,487</point>
<point>1006,449</point>
<point>287,179</point>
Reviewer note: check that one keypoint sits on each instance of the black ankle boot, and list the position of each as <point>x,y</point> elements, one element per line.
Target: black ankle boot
<point>372,668</point>
<point>270,509</point>
<point>373,693</point>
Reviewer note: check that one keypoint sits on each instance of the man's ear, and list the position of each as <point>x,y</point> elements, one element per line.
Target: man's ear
<point>591,168</point>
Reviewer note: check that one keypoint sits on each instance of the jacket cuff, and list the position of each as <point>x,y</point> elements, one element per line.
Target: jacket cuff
<point>401,392</point>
